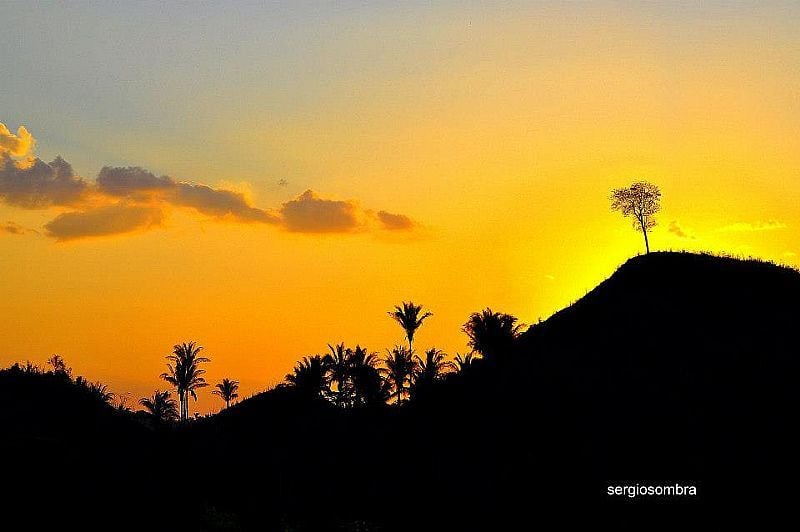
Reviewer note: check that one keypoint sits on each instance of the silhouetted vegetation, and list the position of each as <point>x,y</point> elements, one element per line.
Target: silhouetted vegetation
<point>640,201</point>
<point>227,390</point>
<point>400,369</point>
<point>492,334</point>
<point>185,373</point>
<point>161,407</point>
<point>679,367</point>
<point>410,317</point>
<point>310,377</point>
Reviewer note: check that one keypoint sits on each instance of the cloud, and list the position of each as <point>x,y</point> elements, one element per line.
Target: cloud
<point>131,182</point>
<point>395,222</point>
<point>127,199</point>
<point>769,225</point>
<point>13,228</point>
<point>220,203</point>
<point>103,221</point>
<point>19,145</point>
<point>678,231</point>
<point>138,184</point>
<point>40,184</point>
<point>308,213</point>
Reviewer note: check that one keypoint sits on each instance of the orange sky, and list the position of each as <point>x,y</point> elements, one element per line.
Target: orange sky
<point>496,137</point>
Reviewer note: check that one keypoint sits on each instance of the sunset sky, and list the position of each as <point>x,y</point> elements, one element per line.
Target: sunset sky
<point>270,179</point>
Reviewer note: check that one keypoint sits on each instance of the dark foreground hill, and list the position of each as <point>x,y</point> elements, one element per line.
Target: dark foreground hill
<point>679,368</point>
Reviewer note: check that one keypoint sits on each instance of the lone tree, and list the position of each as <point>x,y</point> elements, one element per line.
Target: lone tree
<point>641,201</point>
<point>410,318</point>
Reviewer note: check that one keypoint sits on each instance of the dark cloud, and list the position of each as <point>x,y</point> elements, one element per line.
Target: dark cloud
<point>102,221</point>
<point>308,213</point>
<point>126,199</point>
<point>220,203</point>
<point>138,184</point>
<point>37,184</point>
<point>131,181</point>
<point>13,228</point>
<point>395,222</point>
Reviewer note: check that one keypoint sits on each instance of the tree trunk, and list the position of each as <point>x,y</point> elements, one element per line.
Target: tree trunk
<point>646,242</point>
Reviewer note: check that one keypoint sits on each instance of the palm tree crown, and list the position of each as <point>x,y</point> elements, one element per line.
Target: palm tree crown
<point>227,391</point>
<point>337,366</point>
<point>433,366</point>
<point>309,377</point>
<point>367,385</point>
<point>430,369</point>
<point>400,367</point>
<point>492,334</point>
<point>185,373</point>
<point>410,318</point>
<point>161,407</point>
<point>101,392</point>
<point>464,362</point>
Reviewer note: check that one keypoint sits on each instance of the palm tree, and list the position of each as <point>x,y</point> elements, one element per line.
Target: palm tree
<point>337,365</point>
<point>161,406</point>
<point>100,391</point>
<point>492,334</point>
<point>309,377</point>
<point>433,367</point>
<point>368,387</point>
<point>430,369</point>
<point>185,373</point>
<point>410,318</point>
<point>465,362</point>
<point>227,391</point>
<point>400,368</point>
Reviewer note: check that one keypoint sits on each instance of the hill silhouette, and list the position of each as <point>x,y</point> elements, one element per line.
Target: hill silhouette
<point>679,368</point>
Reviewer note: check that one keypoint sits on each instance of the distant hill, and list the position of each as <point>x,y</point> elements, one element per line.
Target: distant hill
<point>678,368</point>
